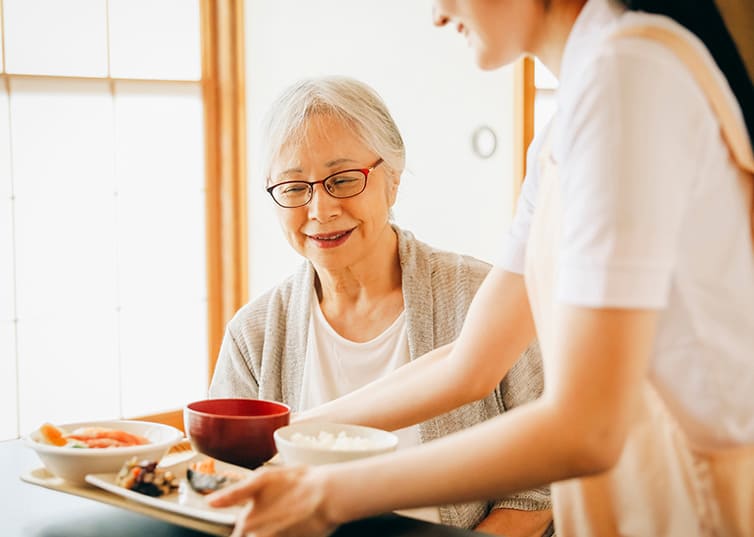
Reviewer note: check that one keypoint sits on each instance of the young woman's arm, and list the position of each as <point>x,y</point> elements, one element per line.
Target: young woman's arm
<point>452,375</point>
<point>577,428</point>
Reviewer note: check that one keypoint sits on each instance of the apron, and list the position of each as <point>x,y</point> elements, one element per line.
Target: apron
<point>662,485</point>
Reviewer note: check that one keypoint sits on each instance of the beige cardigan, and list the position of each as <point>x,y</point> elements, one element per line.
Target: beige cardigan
<point>262,354</point>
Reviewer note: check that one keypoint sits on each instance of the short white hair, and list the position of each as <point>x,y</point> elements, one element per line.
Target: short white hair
<point>344,98</point>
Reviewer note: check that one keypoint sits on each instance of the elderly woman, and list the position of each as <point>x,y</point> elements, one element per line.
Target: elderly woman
<point>370,297</point>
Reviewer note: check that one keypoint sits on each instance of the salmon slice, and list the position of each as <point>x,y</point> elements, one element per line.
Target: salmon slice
<point>103,443</point>
<point>114,436</point>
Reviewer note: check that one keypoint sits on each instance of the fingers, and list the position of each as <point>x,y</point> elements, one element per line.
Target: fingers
<point>270,524</point>
<point>279,502</point>
<point>240,528</point>
<point>238,493</point>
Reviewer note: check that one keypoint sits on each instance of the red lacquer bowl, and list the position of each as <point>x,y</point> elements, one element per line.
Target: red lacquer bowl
<point>238,431</point>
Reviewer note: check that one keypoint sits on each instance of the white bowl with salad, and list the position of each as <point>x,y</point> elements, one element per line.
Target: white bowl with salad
<point>73,450</point>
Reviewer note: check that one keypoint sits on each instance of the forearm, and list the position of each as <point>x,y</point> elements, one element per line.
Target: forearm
<point>358,407</point>
<point>461,467</point>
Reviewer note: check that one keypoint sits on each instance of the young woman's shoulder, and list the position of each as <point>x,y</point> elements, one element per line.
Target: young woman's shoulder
<point>613,65</point>
<point>629,99</point>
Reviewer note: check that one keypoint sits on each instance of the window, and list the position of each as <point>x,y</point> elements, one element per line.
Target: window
<point>113,294</point>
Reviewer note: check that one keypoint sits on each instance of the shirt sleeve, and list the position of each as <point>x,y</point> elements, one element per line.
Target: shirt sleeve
<point>625,149</point>
<point>513,253</point>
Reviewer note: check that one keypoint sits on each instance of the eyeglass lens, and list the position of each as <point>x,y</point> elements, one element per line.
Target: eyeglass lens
<point>343,185</point>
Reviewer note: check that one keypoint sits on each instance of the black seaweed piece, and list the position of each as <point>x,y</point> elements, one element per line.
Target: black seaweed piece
<point>204,483</point>
<point>150,489</point>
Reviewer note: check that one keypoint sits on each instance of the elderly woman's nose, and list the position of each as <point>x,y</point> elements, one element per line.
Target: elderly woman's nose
<point>322,205</point>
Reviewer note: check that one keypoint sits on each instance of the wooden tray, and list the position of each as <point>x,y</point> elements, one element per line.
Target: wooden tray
<point>41,477</point>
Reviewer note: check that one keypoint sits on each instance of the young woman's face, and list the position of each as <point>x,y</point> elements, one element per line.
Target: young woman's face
<point>334,233</point>
<point>499,31</point>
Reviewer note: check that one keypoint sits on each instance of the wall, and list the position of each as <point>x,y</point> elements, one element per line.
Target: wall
<point>449,197</point>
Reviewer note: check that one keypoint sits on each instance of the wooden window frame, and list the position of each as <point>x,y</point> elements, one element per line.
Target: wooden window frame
<point>224,93</point>
<point>524,92</point>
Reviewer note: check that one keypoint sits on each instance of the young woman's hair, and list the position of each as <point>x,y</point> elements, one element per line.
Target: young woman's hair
<point>346,99</point>
<point>703,18</point>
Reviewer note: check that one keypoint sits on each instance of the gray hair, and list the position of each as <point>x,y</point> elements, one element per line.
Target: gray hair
<point>344,98</point>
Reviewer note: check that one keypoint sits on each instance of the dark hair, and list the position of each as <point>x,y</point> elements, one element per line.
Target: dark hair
<point>703,18</point>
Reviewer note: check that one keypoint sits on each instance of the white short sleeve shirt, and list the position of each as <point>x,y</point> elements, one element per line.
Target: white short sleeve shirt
<point>655,216</point>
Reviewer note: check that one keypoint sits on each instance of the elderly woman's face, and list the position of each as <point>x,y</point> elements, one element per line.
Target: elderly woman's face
<point>334,233</point>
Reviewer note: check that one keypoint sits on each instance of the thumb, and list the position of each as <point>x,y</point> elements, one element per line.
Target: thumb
<point>239,493</point>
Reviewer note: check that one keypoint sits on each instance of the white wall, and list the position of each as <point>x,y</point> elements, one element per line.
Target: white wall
<point>449,197</point>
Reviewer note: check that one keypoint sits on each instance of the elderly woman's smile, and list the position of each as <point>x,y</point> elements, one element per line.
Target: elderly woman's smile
<point>330,240</point>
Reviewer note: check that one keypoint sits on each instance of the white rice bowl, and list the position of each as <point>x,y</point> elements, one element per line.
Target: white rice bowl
<point>327,443</point>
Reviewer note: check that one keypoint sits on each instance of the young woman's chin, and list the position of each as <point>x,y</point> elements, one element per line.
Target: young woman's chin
<point>488,66</point>
<point>487,60</point>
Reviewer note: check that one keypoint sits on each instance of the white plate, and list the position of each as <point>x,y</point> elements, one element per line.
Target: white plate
<point>185,501</point>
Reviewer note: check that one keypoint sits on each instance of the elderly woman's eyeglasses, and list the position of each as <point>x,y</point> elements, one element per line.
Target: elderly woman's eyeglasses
<point>342,184</point>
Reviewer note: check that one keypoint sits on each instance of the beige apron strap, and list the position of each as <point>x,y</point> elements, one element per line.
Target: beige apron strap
<point>734,131</point>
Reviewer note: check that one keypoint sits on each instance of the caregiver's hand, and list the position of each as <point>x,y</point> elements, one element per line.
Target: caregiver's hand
<point>280,502</point>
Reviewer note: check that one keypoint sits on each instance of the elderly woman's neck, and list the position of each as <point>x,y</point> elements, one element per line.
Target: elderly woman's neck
<point>371,278</point>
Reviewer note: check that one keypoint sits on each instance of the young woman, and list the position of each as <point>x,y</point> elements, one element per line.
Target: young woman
<point>631,252</point>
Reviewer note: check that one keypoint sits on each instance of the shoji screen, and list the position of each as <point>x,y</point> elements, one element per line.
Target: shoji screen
<point>103,294</point>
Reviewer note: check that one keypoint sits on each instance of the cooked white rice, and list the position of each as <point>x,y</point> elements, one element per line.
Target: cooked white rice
<point>325,440</point>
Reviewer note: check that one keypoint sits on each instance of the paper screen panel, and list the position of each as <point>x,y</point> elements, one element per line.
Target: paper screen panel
<point>65,249</point>
<point>67,368</point>
<point>9,414</point>
<point>64,198</point>
<point>50,37</point>
<point>7,261</point>
<point>161,237</point>
<point>7,301</point>
<point>155,39</point>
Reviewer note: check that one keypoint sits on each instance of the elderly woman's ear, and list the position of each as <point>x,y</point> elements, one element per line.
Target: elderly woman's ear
<point>393,182</point>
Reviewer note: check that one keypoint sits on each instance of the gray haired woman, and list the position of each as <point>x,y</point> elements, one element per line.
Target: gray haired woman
<point>370,297</point>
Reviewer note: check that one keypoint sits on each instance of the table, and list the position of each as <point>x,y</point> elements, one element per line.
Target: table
<point>32,511</point>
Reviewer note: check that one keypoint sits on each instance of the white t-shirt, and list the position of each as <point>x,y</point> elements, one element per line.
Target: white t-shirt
<point>335,366</point>
<point>654,217</point>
